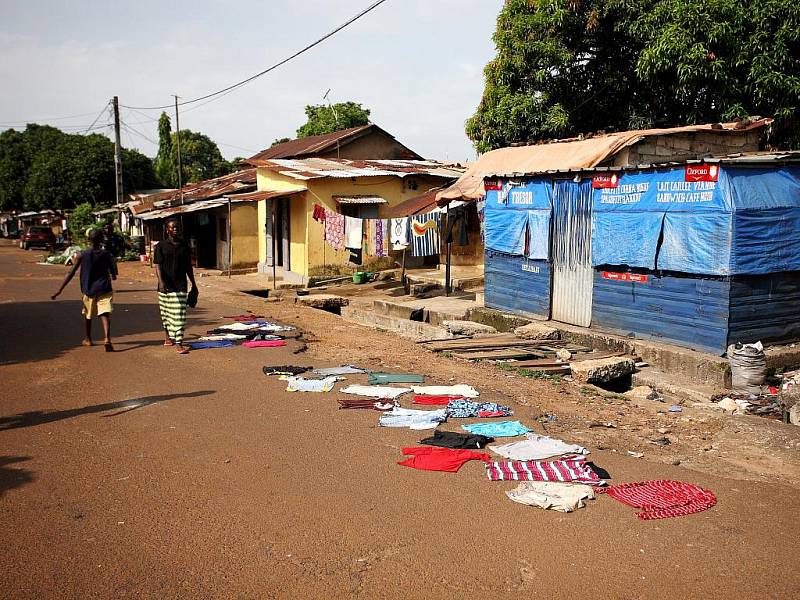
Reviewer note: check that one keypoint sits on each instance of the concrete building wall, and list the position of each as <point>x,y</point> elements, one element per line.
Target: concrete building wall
<point>373,146</point>
<point>684,146</point>
<point>244,235</point>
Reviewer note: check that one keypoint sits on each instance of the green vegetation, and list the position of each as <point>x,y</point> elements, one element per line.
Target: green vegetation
<point>323,118</point>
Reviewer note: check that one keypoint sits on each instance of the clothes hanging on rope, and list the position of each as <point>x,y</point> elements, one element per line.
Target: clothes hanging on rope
<point>356,256</point>
<point>400,236</point>
<point>353,233</point>
<point>425,234</point>
<point>457,218</point>
<point>334,229</point>
<point>319,213</point>
<point>381,247</point>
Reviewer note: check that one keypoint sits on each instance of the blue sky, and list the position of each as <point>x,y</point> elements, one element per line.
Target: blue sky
<point>417,64</point>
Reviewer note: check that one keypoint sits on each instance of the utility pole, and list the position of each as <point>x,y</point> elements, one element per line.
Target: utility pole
<point>117,151</point>
<point>178,142</point>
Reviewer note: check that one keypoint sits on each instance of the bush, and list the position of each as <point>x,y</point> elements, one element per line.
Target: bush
<point>80,220</point>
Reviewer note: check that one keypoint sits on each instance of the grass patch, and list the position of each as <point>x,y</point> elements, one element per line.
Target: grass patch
<point>506,367</point>
<point>531,374</point>
<point>447,354</point>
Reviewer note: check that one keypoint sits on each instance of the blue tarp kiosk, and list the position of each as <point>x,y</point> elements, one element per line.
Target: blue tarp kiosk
<point>703,254</point>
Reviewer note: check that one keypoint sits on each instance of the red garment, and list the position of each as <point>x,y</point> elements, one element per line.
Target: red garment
<point>244,318</point>
<point>264,344</point>
<point>420,399</point>
<point>319,213</point>
<point>439,459</point>
<point>663,498</point>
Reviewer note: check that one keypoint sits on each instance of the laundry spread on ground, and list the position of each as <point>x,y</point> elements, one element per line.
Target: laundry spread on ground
<point>455,440</point>
<point>413,419</point>
<point>376,378</point>
<point>564,470</point>
<point>285,370</point>
<point>467,391</point>
<point>465,409</point>
<point>497,429</point>
<point>563,497</point>
<point>366,403</point>
<point>211,344</point>
<point>245,317</point>
<point>222,336</point>
<point>343,370</point>
<point>537,447</point>
<point>301,384</point>
<point>375,391</point>
<point>439,459</point>
<point>435,400</point>
<point>264,344</point>
<point>661,499</point>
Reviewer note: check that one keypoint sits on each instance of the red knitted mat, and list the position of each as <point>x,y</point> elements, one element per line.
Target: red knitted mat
<point>662,498</point>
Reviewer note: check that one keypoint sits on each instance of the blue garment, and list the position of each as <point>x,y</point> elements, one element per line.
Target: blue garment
<point>425,234</point>
<point>96,268</point>
<point>465,409</point>
<point>212,344</point>
<point>500,429</point>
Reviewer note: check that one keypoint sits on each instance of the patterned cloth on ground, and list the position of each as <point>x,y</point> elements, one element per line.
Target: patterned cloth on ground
<point>400,234</point>
<point>413,419</point>
<point>301,384</point>
<point>264,344</point>
<point>499,429</point>
<point>452,390</point>
<point>375,391</point>
<point>173,314</point>
<point>452,439</point>
<point>366,403</point>
<point>425,234</point>
<point>334,229</point>
<point>205,345</point>
<point>662,499</point>
<point>223,336</point>
<point>565,470</point>
<point>439,459</point>
<point>563,497</point>
<point>285,370</point>
<point>435,400</point>
<point>537,447</point>
<point>465,409</point>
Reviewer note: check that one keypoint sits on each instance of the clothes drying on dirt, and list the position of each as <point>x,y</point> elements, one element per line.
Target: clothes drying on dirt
<point>265,336</point>
<point>343,370</point>
<point>564,470</point>
<point>537,447</point>
<point>413,419</point>
<point>661,499</point>
<point>301,384</point>
<point>498,429</point>
<point>439,459</point>
<point>455,440</point>
<point>264,343</point>
<point>466,409</point>
<point>245,317</point>
<point>375,391</point>
<point>562,497</point>
<point>206,345</point>
<point>376,378</point>
<point>285,370</point>
<point>223,336</point>
<point>461,389</point>
<point>366,403</point>
<point>442,400</point>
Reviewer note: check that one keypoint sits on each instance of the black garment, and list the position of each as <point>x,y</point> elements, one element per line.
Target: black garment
<point>96,269</point>
<point>457,216</point>
<point>355,256</point>
<point>285,370</point>
<point>451,439</point>
<point>174,260</point>
<point>114,244</point>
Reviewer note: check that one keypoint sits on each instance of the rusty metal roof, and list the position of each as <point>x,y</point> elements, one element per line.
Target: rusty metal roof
<point>316,144</point>
<point>239,181</point>
<point>340,168</point>
<point>360,199</point>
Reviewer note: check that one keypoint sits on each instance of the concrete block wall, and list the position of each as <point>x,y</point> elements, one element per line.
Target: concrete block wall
<point>660,149</point>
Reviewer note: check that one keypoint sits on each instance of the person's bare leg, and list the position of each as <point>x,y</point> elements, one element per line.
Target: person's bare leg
<point>167,340</point>
<point>87,332</point>
<point>106,321</point>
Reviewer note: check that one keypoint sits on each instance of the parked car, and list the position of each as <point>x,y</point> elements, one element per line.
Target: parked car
<point>38,236</point>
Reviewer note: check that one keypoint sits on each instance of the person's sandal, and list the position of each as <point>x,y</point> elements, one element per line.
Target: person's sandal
<point>87,343</point>
<point>181,350</point>
<point>108,347</point>
<point>168,343</point>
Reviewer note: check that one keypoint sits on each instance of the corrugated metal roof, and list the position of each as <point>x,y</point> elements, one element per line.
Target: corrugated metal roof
<point>239,181</point>
<point>260,195</point>
<point>210,204</point>
<point>317,168</point>
<point>359,199</point>
<point>316,144</point>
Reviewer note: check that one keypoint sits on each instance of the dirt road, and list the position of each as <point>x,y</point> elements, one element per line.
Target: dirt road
<point>151,475</point>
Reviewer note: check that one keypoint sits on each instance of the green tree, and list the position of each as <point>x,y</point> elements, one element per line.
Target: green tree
<point>281,141</point>
<point>324,119</point>
<point>164,167</point>
<point>200,156</point>
<point>565,67</point>
<point>80,220</point>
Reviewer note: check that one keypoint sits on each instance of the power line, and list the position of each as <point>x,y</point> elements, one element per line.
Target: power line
<point>65,118</point>
<point>234,86</point>
<point>130,129</point>
<point>89,128</point>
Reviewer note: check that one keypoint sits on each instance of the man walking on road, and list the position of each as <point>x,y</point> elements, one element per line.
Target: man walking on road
<point>173,260</point>
<point>97,270</point>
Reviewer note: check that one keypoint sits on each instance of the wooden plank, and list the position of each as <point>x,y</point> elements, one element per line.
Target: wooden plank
<point>479,344</point>
<point>497,354</point>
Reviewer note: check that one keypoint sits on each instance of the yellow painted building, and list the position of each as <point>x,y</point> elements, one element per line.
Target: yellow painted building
<point>365,189</point>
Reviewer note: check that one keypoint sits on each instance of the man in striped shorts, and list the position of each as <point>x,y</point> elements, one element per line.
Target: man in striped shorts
<point>173,260</point>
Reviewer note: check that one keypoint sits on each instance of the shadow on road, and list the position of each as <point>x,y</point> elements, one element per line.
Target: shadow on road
<point>40,417</point>
<point>11,478</point>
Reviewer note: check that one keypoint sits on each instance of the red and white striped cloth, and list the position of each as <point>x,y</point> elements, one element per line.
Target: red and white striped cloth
<point>663,498</point>
<point>564,470</point>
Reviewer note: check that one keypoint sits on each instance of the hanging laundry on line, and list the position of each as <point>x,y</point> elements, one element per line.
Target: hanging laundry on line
<point>499,429</point>
<point>455,440</point>
<point>264,344</point>
<point>435,400</point>
<point>562,497</point>
<point>366,404</point>
<point>461,389</point>
<point>334,229</point>
<point>564,470</point>
<point>400,236</point>
<point>285,370</point>
<point>212,344</point>
<point>662,499</point>
<point>301,384</point>
<point>466,409</point>
<point>376,378</point>
<point>343,370</point>
<point>375,391</point>
<point>425,234</point>
<point>353,233</point>
<point>413,419</point>
<point>537,447</point>
<point>439,459</point>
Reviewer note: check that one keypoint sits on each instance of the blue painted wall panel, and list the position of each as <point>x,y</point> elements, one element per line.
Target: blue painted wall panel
<point>517,284</point>
<point>765,307</point>
<point>689,311</point>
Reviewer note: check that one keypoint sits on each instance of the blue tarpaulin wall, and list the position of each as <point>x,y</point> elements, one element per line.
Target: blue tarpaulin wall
<point>518,219</point>
<point>746,222</point>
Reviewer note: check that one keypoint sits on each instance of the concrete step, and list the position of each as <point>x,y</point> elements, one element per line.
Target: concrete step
<point>402,326</point>
<point>674,385</point>
<point>438,309</point>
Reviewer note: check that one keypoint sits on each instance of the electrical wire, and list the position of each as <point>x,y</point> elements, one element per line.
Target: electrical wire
<point>89,128</point>
<point>219,93</point>
<point>65,118</point>
<point>137,132</point>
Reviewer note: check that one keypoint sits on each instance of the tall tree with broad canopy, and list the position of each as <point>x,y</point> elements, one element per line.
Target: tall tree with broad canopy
<point>323,118</point>
<point>565,67</point>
